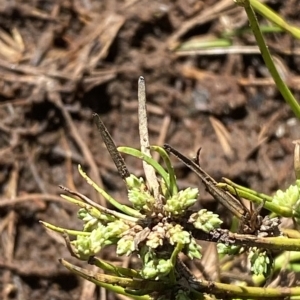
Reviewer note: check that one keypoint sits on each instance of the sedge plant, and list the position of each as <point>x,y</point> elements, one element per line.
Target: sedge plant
<point>158,227</point>
<point>161,224</point>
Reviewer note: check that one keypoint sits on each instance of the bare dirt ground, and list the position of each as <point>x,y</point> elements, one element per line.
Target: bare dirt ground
<point>61,61</point>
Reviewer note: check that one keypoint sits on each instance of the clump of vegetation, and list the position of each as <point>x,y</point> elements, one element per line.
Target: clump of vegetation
<point>161,223</point>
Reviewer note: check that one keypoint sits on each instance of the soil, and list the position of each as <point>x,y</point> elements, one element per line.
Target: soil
<point>61,61</point>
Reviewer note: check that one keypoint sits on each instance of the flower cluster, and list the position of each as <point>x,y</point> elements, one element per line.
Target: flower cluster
<point>261,261</point>
<point>157,227</point>
<point>289,199</point>
<point>154,235</point>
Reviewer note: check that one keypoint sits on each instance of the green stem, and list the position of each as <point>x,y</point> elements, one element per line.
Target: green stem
<point>64,230</point>
<point>279,210</point>
<point>282,87</point>
<point>158,168</point>
<point>164,155</point>
<point>118,271</point>
<point>245,292</point>
<point>251,192</point>
<point>269,14</point>
<point>124,208</point>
